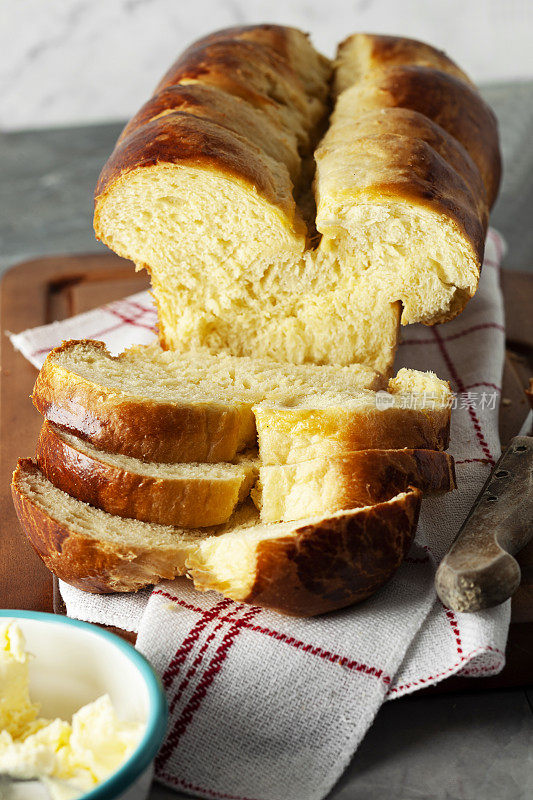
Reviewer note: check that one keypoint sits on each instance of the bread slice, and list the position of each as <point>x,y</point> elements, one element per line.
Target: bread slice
<point>325,485</point>
<point>413,413</point>
<point>190,495</point>
<point>316,565</point>
<point>162,406</point>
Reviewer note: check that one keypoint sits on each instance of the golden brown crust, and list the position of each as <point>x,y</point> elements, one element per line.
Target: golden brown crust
<point>183,138</point>
<point>274,36</point>
<point>188,502</point>
<point>341,561</point>
<point>225,110</point>
<point>409,124</point>
<point>444,98</point>
<point>238,67</point>
<point>139,427</point>
<point>239,59</point>
<point>382,51</point>
<point>381,474</point>
<point>287,43</point>
<point>87,563</point>
<point>456,107</point>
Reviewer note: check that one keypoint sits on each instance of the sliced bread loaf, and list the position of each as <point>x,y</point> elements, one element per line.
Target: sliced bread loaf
<point>190,495</point>
<point>414,413</point>
<point>362,478</point>
<point>316,565</point>
<point>161,406</point>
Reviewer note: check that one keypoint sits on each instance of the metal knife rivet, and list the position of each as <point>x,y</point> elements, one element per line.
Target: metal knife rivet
<point>502,473</point>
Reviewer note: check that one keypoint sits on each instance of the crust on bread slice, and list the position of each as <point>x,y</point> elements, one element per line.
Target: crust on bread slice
<point>362,478</point>
<point>189,495</point>
<point>413,413</point>
<point>317,565</point>
<point>156,405</point>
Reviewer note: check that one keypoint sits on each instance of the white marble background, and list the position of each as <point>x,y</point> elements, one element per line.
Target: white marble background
<point>69,61</point>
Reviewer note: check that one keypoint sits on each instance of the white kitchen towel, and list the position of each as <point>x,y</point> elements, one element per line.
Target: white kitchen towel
<point>267,707</point>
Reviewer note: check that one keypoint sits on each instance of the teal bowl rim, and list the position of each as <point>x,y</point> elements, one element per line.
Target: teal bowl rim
<point>156,723</point>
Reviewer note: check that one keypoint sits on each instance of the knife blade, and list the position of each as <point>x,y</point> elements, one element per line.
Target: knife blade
<point>479,570</point>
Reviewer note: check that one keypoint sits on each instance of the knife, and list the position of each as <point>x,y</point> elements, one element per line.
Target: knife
<point>479,571</point>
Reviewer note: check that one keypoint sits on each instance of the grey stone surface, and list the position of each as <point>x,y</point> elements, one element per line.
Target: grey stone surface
<point>47,180</point>
<point>473,746</point>
<point>476,746</point>
<point>513,211</point>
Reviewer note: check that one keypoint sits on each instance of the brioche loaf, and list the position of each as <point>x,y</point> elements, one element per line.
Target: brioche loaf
<point>211,189</point>
<point>305,568</point>
<point>161,406</point>
<point>289,210</point>
<point>413,413</point>
<point>361,478</point>
<point>190,495</point>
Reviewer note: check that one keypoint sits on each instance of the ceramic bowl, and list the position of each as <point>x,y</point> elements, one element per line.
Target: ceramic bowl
<point>74,664</point>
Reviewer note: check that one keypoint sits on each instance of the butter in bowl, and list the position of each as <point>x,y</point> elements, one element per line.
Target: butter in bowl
<point>81,711</point>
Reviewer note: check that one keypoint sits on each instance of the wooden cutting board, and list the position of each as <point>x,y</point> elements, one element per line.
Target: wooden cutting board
<point>45,289</point>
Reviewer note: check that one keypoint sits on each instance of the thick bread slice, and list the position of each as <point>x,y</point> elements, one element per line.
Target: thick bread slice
<point>414,413</point>
<point>93,550</point>
<point>362,478</point>
<point>161,406</point>
<point>316,565</point>
<point>189,495</point>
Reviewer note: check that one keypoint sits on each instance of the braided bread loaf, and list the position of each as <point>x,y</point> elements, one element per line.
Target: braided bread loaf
<point>211,188</point>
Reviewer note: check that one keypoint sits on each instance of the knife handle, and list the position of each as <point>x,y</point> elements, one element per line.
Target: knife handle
<point>479,571</point>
